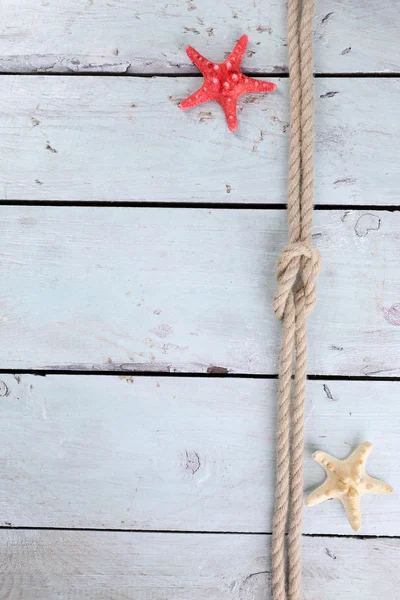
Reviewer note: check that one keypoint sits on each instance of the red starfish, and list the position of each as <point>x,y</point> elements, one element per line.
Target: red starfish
<point>224,82</point>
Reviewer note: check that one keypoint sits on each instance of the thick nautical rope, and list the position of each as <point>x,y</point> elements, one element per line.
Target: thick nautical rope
<point>298,268</point>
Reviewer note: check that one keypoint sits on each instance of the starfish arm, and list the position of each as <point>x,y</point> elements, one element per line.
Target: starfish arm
<point>326,491</point>
<point>376,486</point>
<point>328,462</point>
<point>361,453</point>
<point>197,59</point>
<point>229,106</point>
<point>352,507</point>
<point>251,85</point>
<point>195,99</point>
<point>317,496</point>
<point>237,53</point>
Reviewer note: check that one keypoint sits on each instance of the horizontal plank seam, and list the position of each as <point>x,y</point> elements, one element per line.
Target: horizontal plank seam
<point>188,375</point>
<point>180,75</point>
<point>193,205</point>
<point>192,532</point>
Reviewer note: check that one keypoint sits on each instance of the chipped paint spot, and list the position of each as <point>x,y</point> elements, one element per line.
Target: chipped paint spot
<point>174,99</point>
<point>162,331</point>
<point>168,347</point>
<point>328,393</point>
<point>280,69</point>
<point>264,29</point>
<point>256,143</point>
<point>48,147</point>
<point>330,554</point>
<point>367,222</point>
<point>283,124</point>
<point>345,215</point>
<point>392,314</point>
<point>219,370</point>
<point>345,181</point>
<point>4,391</point>
<point>128,378</point>
<point>326,17</point>
<point>191,30</point>
<point>328,95</point>
<point>146,367</point>
<point>205,116</point>
<point>192,461</point>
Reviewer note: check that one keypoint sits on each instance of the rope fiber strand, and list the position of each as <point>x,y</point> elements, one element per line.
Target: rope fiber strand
<point>298,268</point>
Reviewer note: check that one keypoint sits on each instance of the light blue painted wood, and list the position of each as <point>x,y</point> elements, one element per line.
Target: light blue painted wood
<point>189,290</point>
<point>88,138</point>
<point>130,36</point>
<point>43,565</point>
<point>180,453</point>
<point>48,564</point>
<point>186,291</point>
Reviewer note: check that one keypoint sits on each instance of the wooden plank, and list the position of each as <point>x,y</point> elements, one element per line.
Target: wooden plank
<point>180,454</point>
<point>43,565</point>
<point>191,290</point>
<point>88,139</point>
<point>130,36</point>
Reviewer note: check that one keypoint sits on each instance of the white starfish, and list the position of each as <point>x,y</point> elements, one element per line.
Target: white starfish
<point>347,480</point>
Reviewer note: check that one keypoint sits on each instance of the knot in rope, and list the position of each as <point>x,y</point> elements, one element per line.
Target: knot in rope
<point>298,265</point>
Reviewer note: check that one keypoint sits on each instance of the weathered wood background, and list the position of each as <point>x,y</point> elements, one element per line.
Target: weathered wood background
<point>139,348</point>
<point>180,453</point>
<point>191,290</point>
<point>125,139</point>
<point>132,36</point>
<point>92,564</point>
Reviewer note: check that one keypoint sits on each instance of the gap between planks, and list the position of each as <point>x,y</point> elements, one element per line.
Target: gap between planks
<point>283,75</point>
<point>188,375</point>
<point>196,532</point>
<point>193,205</point>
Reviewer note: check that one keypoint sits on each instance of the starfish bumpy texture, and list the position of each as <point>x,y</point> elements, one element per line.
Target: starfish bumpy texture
<point>224,82</point>
<point>347,480</point>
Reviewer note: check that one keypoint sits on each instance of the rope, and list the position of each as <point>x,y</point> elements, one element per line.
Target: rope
<point>298,268</point>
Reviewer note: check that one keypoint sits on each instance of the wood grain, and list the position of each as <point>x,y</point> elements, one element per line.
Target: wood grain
<point>90,138</point>
<point>180,453</point>
<point>130,36</point>
<point>190,290</point>
<point>43,565</point>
